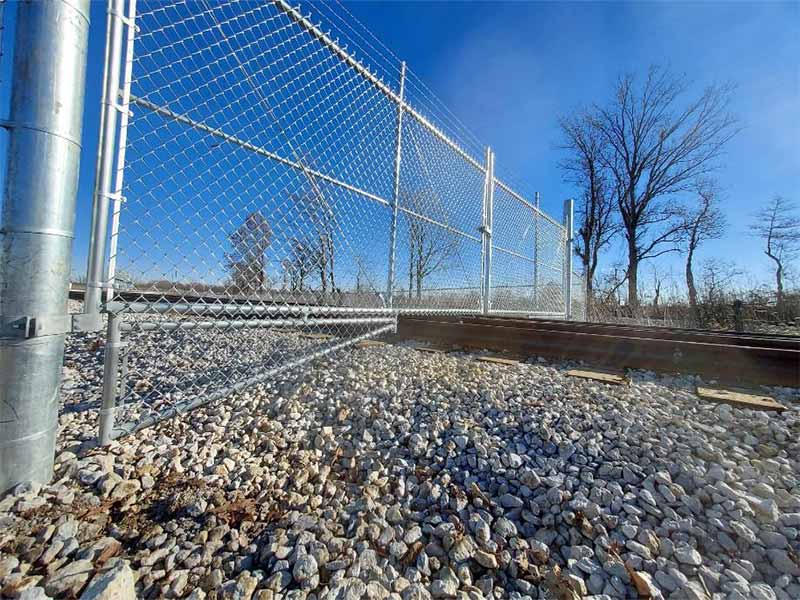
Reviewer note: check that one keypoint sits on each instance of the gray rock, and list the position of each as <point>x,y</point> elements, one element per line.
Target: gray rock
<point>486,559</point>
<point>305,568</point>
<point>32,593</point>
<point>445,585</point>
<point>116,583</point>
<point>687,555</point>
<point>69,579</point>
<point>781,560</point>
<point>510,501</point>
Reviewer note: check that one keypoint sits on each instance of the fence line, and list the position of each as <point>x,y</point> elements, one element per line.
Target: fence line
<point>255,156</point>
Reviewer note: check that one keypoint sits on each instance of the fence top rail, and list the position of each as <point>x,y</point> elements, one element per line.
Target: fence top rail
<point>343,55</point>
<point>324,39</point>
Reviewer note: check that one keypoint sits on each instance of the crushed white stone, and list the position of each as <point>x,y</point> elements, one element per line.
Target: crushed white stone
<point>381,472</point>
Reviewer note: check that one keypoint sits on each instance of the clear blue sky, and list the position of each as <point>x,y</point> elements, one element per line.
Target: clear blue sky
<point>507,70</point>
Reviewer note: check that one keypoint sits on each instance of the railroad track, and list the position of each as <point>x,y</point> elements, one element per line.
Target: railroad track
<point>727,357</point>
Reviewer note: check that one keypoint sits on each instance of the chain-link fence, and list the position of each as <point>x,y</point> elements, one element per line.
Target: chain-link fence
<point>281,191</point>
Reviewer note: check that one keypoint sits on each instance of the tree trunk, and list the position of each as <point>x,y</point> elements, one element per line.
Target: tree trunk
<point>587,288</point>
<point>633,277</point>
<point>693,312</point>
<point>779,295</point>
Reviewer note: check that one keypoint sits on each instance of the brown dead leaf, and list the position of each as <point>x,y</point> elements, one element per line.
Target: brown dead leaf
<point>236,511</point>
<point>642,588</point>
<point>109,551</point>
<point>410,557</point>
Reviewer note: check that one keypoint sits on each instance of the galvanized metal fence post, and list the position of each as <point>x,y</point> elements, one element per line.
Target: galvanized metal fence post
<point>110,378</point>
<point>536,254</point>
<point>114,345</point>
<point>396,188</point>
<point>486,231</point>
<point>37,230</point>
<point>103,193</point>
<point>568,212</point>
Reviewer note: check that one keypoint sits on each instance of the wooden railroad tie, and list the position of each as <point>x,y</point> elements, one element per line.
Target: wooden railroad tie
<point>430,349</point>
<point>739,398</point>
<point>500,360</point>
<point>370,343</point>
<point>610,376</point>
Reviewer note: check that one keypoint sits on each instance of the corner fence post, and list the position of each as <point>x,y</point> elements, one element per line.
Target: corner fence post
<point>396,188</point>
<point>103,193</point>
<point>486,231</point>
<point>107,412</point>
<point>44,148</point>
<point>536,254</point>
<point>568,210</point>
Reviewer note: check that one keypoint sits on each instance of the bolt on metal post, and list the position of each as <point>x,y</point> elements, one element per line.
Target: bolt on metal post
<point>37,229</point>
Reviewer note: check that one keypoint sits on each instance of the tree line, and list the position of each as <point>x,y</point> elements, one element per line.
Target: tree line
<point>645,163</point>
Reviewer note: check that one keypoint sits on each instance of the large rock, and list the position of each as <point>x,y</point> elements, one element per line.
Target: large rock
<point>69,579</point>
<point>116,583</point>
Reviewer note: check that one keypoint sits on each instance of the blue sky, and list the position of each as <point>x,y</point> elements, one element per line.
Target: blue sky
<point>508,70</point>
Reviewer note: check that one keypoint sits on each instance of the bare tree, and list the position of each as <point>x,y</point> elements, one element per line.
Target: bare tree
<point>658,282</point>
<point>608,301</point>
<point>315,246</point>
<point>301,262</point>
<point>430,247</point>
<point>584,167</point>
<point>246,262</point>
<point>656,146</point>
<point>778,225</point>
<point>704,222</point>
<point>715,291</point>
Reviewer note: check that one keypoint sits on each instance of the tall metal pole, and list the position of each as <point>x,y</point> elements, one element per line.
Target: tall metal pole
<point>37,229</point>
<point>568,210</point>
<point>486,230</point>
<point>103,192</point>
<point>396,188</point>
<point>536,255</point>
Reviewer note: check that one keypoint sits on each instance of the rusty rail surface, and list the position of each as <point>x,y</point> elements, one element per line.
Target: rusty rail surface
<point>723,356</point>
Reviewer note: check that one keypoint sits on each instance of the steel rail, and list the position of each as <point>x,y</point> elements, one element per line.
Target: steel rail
<point>724,358</point>
<point>641,331</point>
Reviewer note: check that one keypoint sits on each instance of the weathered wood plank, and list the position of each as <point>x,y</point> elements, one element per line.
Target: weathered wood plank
<point>370,343</point>
<point>500,360</point>
<point>316,336</point>
<point>430,349</point>
<point>740,398</point>
<point>604,376</point>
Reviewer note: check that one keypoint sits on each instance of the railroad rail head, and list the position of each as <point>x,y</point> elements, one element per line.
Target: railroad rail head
<point>722,357</point>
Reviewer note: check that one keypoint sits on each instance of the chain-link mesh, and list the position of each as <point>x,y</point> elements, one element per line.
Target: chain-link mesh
<point>578,297</point>
<point>270,180</point>
<point>528,257</point>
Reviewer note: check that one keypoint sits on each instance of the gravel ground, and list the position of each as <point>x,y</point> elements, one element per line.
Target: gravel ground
<point>385,472</point>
